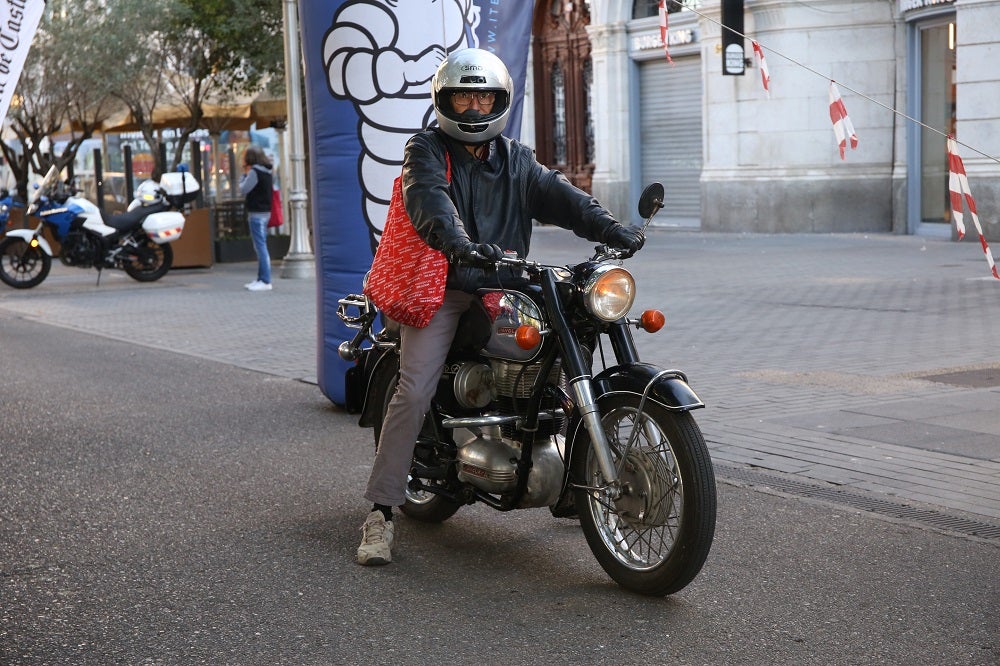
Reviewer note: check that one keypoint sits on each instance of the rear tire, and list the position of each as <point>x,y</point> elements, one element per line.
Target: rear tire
<point>420,505</point>
<point>23,266</point>
<point>654,538</point>
<point>152,260</point>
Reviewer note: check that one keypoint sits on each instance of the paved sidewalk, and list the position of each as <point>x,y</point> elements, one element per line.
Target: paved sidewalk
<point>860,369</point>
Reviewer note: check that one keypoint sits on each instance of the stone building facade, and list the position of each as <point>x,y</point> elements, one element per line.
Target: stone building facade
<point>733,158</point>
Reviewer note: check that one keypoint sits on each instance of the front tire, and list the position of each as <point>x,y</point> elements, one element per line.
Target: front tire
<point>420,505</point>
<point>22,265</point>
<point>654,538</point>
<point>150,261</point>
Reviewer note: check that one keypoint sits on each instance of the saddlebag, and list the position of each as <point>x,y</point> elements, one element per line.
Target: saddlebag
<point>164,227</point>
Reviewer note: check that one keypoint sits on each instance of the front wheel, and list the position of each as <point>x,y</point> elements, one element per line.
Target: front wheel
<point>23,265</point>
<point>148,261</point>
<point>655,536</point>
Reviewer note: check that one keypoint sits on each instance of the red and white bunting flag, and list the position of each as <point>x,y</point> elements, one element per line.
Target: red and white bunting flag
<point>663,30</point>
<point>842,126</point>
<point>765,76</point>
<point>958,185</point>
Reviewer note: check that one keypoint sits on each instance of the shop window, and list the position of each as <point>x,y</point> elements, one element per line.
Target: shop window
<point>588,110</point>
<point>558,114</point>
<point>937,109</point>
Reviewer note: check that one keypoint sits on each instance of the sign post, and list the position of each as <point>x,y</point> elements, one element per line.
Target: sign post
<point>733,56</point>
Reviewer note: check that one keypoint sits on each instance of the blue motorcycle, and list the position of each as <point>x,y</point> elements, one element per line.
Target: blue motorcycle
<point>137,241</point>
<point>7,203</point>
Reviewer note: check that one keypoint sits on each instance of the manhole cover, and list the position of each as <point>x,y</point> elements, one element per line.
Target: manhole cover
<point>983,378</point>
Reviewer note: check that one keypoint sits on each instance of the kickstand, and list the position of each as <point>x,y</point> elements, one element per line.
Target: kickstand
<point>99,271</point>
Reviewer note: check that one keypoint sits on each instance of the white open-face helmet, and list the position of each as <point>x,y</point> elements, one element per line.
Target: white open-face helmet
<point>148,193</point>
<point>472,70</point>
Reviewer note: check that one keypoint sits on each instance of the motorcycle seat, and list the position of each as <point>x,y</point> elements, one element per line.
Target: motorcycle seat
<point>133,218</point>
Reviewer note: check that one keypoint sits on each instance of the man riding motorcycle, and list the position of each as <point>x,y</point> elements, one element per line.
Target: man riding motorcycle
<point>496,190</point>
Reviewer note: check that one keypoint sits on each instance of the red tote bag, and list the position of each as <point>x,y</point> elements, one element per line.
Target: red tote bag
<point>277,215</point>
<point>407,278</point>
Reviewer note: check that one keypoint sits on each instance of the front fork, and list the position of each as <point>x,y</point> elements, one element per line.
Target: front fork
<point>581,381</point>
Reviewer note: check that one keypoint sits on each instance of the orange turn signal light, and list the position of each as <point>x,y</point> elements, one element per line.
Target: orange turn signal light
<point>527,337</point>
<point>652,320</point>
<point>34,242</point>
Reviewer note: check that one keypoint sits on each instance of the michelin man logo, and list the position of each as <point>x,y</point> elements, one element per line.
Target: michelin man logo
<point>381,55</point>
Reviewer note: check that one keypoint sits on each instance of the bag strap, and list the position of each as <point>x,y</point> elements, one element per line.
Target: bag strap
<point>447,151</point>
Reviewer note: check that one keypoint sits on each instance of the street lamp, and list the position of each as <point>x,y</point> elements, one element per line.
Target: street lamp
<point>299,262</point>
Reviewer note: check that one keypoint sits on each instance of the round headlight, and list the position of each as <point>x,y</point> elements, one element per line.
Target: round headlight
<point>609,292</point>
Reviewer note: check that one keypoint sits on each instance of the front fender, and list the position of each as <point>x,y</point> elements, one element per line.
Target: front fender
<point>27,235</point>
<point>670,389</point>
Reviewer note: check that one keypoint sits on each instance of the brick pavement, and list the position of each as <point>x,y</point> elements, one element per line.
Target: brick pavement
<point>862,363</point>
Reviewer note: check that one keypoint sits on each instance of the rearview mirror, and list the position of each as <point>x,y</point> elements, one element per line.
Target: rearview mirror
<point>651,200</point>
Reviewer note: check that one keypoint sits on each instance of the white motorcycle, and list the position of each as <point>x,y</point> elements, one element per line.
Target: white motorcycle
<point>137,241</point>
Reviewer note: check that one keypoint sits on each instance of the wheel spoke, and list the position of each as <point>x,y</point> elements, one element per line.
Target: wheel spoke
<point>641,526</point>
<point>652,528</point>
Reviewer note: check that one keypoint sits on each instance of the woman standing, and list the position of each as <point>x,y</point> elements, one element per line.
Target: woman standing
<point>256,185</point>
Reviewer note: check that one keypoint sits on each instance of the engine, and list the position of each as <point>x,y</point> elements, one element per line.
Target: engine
<point>488,461</point>
<point>498,390</point>
<point>79,249</point>
<point>488,458</point>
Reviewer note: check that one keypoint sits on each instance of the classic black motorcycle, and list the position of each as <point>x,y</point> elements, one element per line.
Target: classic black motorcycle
<point>521,419</point>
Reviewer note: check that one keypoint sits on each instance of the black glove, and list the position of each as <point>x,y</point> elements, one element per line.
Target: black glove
<point>629,239</point>
<point>475,254</point>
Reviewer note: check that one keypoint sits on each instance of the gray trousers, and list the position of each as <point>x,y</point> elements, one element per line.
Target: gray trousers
<point>422,356</point>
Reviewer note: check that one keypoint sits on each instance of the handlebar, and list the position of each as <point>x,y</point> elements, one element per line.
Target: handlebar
<point>601,253</point>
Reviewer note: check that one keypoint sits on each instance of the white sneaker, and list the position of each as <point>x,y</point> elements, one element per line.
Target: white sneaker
<point>250,284</point>
<point>259,286</point>
<point>376,540</point>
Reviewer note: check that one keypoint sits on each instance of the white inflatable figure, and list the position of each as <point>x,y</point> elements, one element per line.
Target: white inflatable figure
<point>381,55</point>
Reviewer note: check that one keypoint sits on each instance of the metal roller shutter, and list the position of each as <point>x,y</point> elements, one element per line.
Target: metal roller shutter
<point>670,112</point>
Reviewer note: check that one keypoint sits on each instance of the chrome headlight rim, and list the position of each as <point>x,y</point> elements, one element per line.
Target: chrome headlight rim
<point>609,292</point>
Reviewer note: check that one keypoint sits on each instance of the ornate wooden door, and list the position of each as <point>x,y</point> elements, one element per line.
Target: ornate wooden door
<point>564,131</point>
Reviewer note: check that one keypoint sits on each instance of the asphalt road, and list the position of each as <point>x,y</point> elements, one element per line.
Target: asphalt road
<point>157,508</point>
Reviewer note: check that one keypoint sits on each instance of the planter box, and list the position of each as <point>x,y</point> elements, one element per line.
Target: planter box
<point>241,249</point>
<point>194,247</point>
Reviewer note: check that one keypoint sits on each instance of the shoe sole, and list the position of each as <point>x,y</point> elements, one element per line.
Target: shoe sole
<point>374,561</point>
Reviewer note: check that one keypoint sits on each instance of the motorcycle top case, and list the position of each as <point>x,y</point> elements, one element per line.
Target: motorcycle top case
<point>180,187</point>
<point>164,227</point>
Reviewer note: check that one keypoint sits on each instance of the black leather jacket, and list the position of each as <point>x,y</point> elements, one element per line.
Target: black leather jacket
<point>490,201</point>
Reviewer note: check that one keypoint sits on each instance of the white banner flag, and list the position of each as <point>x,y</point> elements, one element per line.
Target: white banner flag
<point>18,22</point>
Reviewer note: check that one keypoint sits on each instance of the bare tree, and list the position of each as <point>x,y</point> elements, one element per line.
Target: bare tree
<point>93,57</point>
<point>61,90</point>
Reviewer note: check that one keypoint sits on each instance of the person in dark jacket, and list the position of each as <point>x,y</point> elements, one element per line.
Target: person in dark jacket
<point>256,186</point>
<point>497,189</point>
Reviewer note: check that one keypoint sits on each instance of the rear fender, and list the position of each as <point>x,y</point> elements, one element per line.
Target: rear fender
<point>27,235</point>
<point>379,372</point>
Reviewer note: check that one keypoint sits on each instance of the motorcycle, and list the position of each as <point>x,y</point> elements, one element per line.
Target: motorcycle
<point>136,241</point>
<point>8,202</point>
<point>521,419</point>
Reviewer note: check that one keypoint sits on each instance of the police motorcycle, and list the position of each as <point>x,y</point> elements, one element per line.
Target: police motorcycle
<point>8,202</point>
<point>522,419</point>
<point>136,241</point>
